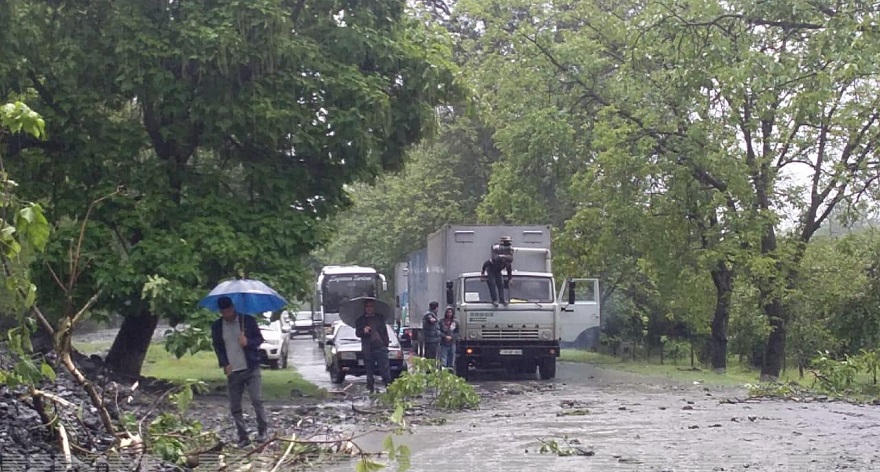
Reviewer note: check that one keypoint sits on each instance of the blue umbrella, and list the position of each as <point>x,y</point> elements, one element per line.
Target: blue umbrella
<point>250,297</point>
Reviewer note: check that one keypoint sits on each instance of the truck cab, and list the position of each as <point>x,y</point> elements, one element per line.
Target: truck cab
<point>520,337</point>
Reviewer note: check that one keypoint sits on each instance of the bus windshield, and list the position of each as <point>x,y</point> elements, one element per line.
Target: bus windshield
<point>523,289</point>
<point>338,288</point>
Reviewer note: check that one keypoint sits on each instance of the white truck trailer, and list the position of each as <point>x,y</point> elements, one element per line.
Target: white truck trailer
<point>524,336</point>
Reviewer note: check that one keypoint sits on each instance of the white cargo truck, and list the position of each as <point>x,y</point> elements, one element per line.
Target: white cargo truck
<point>524,336</point>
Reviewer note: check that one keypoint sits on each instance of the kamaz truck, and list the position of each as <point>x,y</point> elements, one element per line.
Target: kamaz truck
<point>523,336</point>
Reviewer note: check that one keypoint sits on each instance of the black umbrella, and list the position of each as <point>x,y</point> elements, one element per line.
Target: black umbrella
<point>351,310</point>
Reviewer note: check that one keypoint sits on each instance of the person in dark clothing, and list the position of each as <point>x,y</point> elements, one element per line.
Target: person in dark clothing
<point>236,339</point>
<point>374,345</point>
<point>493,268</point>
<point>449,332</point>
<point>431,331</point>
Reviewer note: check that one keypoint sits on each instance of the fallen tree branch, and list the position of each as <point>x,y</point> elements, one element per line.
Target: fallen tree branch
<point>53,397</point>
<point>286,453</point>
<point>64,441</point>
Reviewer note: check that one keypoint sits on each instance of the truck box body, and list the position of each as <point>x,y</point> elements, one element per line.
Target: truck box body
<point>417,286</point>
<point>400,290</point>
<point>457,249</point>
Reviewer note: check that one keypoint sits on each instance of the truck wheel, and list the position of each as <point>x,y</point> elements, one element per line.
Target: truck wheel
<point>273,364</point>
<point>548,368</point>
<point>461,367</point>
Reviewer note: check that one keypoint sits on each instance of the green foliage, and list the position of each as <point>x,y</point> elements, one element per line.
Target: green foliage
<point>442,183</point>
<point>170,435</point>
<point>565,447</point>
<point>450,392</point>
<point>232,128</point>
<point>21,236</point>
<point>675,127</point>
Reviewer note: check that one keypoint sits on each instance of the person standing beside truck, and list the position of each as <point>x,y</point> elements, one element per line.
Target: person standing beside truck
<point>500,260</point>
<point>431,331</point>
<point>449,336</point>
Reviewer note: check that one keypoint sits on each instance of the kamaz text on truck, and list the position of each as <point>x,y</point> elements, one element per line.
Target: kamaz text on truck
<point>334,285</point>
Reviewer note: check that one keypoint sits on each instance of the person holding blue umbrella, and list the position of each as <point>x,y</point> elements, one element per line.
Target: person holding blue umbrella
<point>237,339</point>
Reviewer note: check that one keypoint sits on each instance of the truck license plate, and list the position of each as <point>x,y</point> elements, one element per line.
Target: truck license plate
<point>510,352</point>
<point>360,362</point>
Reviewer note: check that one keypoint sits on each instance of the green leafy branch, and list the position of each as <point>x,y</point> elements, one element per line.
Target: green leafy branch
<point>450,392</point>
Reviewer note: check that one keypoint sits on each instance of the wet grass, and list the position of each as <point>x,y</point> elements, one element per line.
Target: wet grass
<point>736,375</point>
<point>277,384</point>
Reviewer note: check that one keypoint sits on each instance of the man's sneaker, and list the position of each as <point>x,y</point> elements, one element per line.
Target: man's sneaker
<point>494,303</point>
<point>243,442</point>
<point>263,437</point>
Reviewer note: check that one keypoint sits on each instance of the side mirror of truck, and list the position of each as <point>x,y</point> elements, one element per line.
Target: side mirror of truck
<point>571,297</point>
<point>397,301</point>
<point>384,282</point>
<point>450,296</point>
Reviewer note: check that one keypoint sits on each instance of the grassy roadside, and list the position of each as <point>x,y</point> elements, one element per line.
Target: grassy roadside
<point>736,375</point>
<point>277,384</point>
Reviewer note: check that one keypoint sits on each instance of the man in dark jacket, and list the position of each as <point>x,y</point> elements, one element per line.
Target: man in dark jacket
<point>493,268</point>
<point>431,331</point>
<point>374,345</point>
<point>237,339</point>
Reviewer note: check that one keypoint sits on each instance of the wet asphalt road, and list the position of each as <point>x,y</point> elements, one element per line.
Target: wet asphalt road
<point>625,422</point>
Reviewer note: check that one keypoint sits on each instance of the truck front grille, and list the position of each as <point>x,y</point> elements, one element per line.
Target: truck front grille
<point>505,334</point>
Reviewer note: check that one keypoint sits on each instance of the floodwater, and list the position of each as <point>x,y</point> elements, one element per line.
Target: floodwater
<point>612,421</point>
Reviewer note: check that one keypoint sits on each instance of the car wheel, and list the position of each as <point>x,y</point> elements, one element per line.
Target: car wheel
<point>273,364</point>
<point>284,360</point>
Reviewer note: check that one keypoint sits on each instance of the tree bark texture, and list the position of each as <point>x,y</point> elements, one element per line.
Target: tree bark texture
<point>126,356</point>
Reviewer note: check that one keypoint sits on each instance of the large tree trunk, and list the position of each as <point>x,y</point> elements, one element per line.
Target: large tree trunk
<point>126,356</point>
<point>771,301</point>
<point>722,277</point>
<point>774,355</point>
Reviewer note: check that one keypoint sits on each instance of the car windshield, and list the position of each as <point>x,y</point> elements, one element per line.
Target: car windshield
<point>338,288</point>
<point>522,289</point>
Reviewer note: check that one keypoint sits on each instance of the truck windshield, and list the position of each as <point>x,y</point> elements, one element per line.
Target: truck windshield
<point>523,289</point>
<point>338,288</point>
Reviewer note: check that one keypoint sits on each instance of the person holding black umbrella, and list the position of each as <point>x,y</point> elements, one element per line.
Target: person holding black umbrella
<point>374,345</point>
<point>237,339</point>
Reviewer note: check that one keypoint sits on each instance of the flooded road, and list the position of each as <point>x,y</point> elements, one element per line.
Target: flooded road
<point>598,419</point>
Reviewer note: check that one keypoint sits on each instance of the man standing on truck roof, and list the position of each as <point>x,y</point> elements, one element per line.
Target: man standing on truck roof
<point>501,259</point>
<point>431,331</point>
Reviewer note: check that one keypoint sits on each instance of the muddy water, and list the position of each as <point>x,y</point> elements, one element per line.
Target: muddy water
<point>618,421</point>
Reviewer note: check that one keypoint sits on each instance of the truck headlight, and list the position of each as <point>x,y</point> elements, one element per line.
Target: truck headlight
<point>473,334</point>
<point>350,356</point>
<point>395,354</point>
<point>546,334</point>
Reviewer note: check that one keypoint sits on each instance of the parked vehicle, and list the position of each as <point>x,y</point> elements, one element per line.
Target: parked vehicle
<point>301,322</point>
<point>276,343</point>
<point>523,336</point>
<point>343,356</point>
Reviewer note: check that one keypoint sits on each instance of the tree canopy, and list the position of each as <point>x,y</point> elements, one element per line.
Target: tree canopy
<point>224,131</point>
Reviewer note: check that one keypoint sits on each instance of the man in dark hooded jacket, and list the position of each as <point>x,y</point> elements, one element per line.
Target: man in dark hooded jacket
<point>374,345</point>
